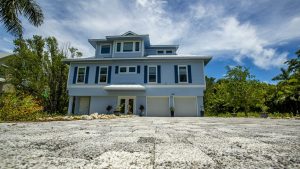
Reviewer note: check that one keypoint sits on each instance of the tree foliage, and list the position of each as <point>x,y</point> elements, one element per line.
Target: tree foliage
<point>238,91</point>
<point>11,9</point>
<point>37,69</point>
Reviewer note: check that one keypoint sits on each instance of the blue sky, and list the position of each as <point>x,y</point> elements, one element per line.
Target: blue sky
<point>260,35</point>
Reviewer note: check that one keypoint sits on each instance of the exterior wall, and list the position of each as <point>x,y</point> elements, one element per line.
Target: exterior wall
<point>200,105</point>
<point>153,51</point>
<point>98,103</point>
<point>140,100</point>
<point>150,91</point>
<point>167,72</point>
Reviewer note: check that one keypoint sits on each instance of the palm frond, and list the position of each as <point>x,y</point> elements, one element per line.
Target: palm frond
<point>10,11</point>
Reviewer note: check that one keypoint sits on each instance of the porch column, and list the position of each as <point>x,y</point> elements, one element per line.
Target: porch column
<point>71,99</point>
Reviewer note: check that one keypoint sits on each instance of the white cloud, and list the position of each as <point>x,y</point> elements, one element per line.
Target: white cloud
<point>96,19</point>
<point>201,29</point>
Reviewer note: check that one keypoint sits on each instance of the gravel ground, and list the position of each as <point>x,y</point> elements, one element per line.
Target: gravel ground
<point>152,143</point>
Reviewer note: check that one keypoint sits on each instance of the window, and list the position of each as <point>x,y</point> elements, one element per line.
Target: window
<point>103,75</point>
<point>132,69</point>
<point>128,47</point>
<point>169,51</point>
<point>182,74</point>
<point>127,69</point>
<point>105,49</point>
<point>137,46</point>
<point>118,47</point>
<point>160,52</point>
<point>123,69</point>
<point>152,74</point>
<point>81,75</point>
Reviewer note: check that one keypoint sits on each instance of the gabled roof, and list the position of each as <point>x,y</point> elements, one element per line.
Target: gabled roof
<point>129,33</point>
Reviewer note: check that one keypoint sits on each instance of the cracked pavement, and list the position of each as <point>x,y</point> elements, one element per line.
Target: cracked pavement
<point>149,142</point>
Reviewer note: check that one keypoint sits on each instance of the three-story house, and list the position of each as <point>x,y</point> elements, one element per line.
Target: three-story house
<point>128,72</point>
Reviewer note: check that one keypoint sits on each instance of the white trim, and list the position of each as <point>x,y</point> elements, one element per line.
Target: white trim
<point>147,86</point>
<point>187,76</point>
<point>149,74</point>
<point>124,87</point>
<point>198,113</point>
<point>133,47</point>
<point>110,49</point>
<point>127,70</point>
<point>83,75</point>
<point>103,74</point>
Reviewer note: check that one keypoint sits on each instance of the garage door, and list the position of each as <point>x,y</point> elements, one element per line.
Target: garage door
<point>158,106</point>
<point>84,105</point>
<point>185,106</point>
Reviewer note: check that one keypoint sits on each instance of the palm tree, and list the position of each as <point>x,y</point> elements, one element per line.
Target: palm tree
<point>10,11</point>
<point>285,74</point>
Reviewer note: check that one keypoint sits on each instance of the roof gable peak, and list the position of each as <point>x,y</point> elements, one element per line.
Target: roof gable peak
<point>129,33</point>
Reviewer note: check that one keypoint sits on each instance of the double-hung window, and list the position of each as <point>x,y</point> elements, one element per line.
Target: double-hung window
<point>103,75</point>
<point>81,75</point>
<point>128,47</point>
<point>183,76</point>
<point>105,49</point>
<point>137,46</point>
<point>152,74</point>
<point>119,46</point>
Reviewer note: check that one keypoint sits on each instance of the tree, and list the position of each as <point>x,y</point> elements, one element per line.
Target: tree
<point>238,91</point>
<point>37,69</point>
<point>287,96</point>
<point>10,11</point>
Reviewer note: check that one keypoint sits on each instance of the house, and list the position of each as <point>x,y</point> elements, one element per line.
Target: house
<point>128,72</point>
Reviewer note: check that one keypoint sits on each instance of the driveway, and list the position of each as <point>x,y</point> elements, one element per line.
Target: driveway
<point>152,143</point>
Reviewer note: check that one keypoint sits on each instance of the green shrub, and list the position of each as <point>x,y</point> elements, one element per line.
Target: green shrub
<point>20,107</point>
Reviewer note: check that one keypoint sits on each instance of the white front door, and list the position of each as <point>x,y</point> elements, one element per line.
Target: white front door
<point>127,104</point>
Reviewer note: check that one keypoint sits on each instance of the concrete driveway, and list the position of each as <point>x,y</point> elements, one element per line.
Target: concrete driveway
<point>152,143</point>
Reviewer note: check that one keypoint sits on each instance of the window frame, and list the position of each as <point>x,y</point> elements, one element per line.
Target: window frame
<point>99,76</point>
<point>148,74</point>
<point>109,49</point>
<point>117,47</point>
<point>163,52</point>
<point>186,71</point>
<point>166,52</point>
<point>127,70</point>
<point>132,47</point>
<point>79,67</point>
<point>138,46</point>
<point>122,47</point>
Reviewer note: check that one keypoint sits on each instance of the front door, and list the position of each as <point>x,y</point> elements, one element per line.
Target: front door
<point>127,105</point>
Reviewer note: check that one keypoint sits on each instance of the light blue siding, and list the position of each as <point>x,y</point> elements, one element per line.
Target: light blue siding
<point>167,72</point>
<point>98,104</point>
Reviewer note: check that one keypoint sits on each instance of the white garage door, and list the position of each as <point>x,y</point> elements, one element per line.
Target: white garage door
<point>84,105</point>
<point>185,106</point>
<point>158,106</point>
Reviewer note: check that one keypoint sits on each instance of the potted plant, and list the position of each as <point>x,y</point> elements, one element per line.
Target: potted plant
<point>172,111</point>
<point>108,109</point>
<point>142,108</point>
